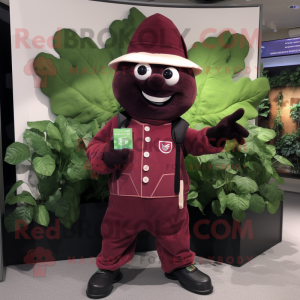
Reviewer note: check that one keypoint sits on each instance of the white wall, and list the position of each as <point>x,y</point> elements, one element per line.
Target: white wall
<point>43,18</point>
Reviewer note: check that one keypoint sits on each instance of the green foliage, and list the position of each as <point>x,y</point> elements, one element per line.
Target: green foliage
<point>220,61</point>
<point>264,108</point>
<point>61,166</point>
<point>288,144</point>
<point>286,78</point>
<point>80,85</point>
<point>237,178</point>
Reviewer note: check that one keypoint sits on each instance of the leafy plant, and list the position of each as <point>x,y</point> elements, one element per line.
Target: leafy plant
<point>237,179</point>
<point>286,77</point>
<point>81,85</point>
<point>56,152</point>
<point>264,108</point>
<point>217,94</point>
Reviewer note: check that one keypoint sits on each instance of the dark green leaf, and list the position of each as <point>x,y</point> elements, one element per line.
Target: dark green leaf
<point>53,132</point>
<point>39,125</point>
<point>13,189</point>
<point>257,204</point>
<point>216,208</point>
<point>36,142</point>
<point>41,215</point>
<point>23,197</point>
<point>16,153</point>
<point>44,165</point>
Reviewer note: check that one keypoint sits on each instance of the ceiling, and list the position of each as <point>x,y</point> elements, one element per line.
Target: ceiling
<point>274,11</point>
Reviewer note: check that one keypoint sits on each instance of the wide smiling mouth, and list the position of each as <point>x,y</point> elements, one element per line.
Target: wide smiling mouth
<point>158,101</point>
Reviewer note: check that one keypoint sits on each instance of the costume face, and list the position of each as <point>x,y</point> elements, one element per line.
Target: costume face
<point>154,92</point>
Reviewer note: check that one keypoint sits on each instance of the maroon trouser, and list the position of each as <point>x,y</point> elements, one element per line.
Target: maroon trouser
<point>127,216</point>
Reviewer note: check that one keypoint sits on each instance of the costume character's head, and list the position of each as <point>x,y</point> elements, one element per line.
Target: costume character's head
<point>155,82</point>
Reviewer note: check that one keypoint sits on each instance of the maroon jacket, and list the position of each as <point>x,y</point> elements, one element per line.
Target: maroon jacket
<point>150,169</point>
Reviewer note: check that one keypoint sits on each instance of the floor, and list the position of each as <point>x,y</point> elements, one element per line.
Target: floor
<point>273,275</point>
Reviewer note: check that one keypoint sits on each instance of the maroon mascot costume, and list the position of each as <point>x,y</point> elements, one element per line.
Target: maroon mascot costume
<point>155,84</point>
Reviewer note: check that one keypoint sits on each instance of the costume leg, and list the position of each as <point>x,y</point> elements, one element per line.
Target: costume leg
<point>119,232</point>
<point>171,233</point>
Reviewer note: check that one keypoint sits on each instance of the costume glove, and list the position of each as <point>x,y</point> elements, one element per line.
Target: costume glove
<point>114,158</point>
<point>228,129</point>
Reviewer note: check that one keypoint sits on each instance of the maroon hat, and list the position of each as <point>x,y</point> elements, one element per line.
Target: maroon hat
<point>157,41</point>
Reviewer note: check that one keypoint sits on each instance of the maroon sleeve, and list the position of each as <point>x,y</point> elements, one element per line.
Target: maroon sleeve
<point>95,148</point>
<point>197,143</point>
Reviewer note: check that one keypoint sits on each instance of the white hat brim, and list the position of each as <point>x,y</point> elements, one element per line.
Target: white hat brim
<point>157,58</point>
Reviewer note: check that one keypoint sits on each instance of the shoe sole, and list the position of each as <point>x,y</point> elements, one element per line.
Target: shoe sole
<point>105,295</point>
<point>200,292</point>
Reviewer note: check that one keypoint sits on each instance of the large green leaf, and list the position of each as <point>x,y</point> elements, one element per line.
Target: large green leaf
<point>11,192</point>
<point>10,222</point>
<point>257,204</point>
<point>79,83</point>
<point>24,213</point>
<point>238,201</point>
<point>23,197</point>
<point>223,199</point>
<point>265,135</point>
<point>58,205</point>
<point>273,206</point>
<point>53,132</point>
<point>16,153</point>
<point>51,202</point>
<point>70,218</point>
<point>48,185</point>
<point>270,191</point>
<point>39,125</point>
<point>70,195</point>
<point>44,165</point>
<point>217,94</point>
<point>36,142</point>
<point>238,215</point>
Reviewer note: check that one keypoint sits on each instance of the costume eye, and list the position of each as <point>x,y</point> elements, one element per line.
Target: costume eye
<point>142,71</point>
<point>171,76</point>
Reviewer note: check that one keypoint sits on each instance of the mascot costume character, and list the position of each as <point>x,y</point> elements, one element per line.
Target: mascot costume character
<point>155,84</point>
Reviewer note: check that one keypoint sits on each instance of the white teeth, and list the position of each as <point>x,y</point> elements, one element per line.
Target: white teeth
<point>156,99</point>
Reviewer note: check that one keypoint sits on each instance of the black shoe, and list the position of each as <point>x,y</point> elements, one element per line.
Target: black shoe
<point>100,284</point>
<point>192,279</point>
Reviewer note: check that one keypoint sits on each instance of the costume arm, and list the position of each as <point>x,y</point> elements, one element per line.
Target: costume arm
<point>96,147</point>
<point>197,143</point>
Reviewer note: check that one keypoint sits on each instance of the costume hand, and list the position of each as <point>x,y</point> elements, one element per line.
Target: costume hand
<point>228,129</point>
<point>113,157</point>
